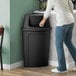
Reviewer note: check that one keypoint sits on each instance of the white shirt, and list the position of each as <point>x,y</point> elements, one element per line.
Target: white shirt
<point>63,9</point>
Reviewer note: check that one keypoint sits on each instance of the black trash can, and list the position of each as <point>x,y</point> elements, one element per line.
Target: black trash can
<point>36,41</point>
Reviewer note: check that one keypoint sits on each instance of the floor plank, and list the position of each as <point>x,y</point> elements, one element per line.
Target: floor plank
<point>37,71</point>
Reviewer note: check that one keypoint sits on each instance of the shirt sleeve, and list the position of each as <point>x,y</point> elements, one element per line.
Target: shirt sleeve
<point>50,4</point>
<point>71,6</point>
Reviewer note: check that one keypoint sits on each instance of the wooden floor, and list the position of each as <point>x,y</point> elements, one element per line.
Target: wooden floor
<point>42,71</point>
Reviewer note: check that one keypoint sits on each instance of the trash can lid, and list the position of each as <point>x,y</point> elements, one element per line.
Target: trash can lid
<point>38,29</point>
<point>31,23</point>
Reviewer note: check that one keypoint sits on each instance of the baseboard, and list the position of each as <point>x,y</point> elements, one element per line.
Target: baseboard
<point>20,63</point>
<point>12,66</point>
<point>70,65</point>
<point>16,65</point>
<point>6,66</point>
<point>55,63</point>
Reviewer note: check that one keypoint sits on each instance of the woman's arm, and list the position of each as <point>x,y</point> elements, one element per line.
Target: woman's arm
<point>71,6</point>
<point>50,4</point>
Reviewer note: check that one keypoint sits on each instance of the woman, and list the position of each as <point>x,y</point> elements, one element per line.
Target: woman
<point>64,28</point>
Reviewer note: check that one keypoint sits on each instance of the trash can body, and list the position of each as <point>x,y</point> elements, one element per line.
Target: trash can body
<point>36,44</point>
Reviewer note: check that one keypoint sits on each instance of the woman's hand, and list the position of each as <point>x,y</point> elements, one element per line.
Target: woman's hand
<point>42,22</point>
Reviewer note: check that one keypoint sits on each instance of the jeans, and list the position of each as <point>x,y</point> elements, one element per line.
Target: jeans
<point>64,34</point>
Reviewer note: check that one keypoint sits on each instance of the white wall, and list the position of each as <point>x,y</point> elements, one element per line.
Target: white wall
<point>5,21</point>
<point>4,12</point>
